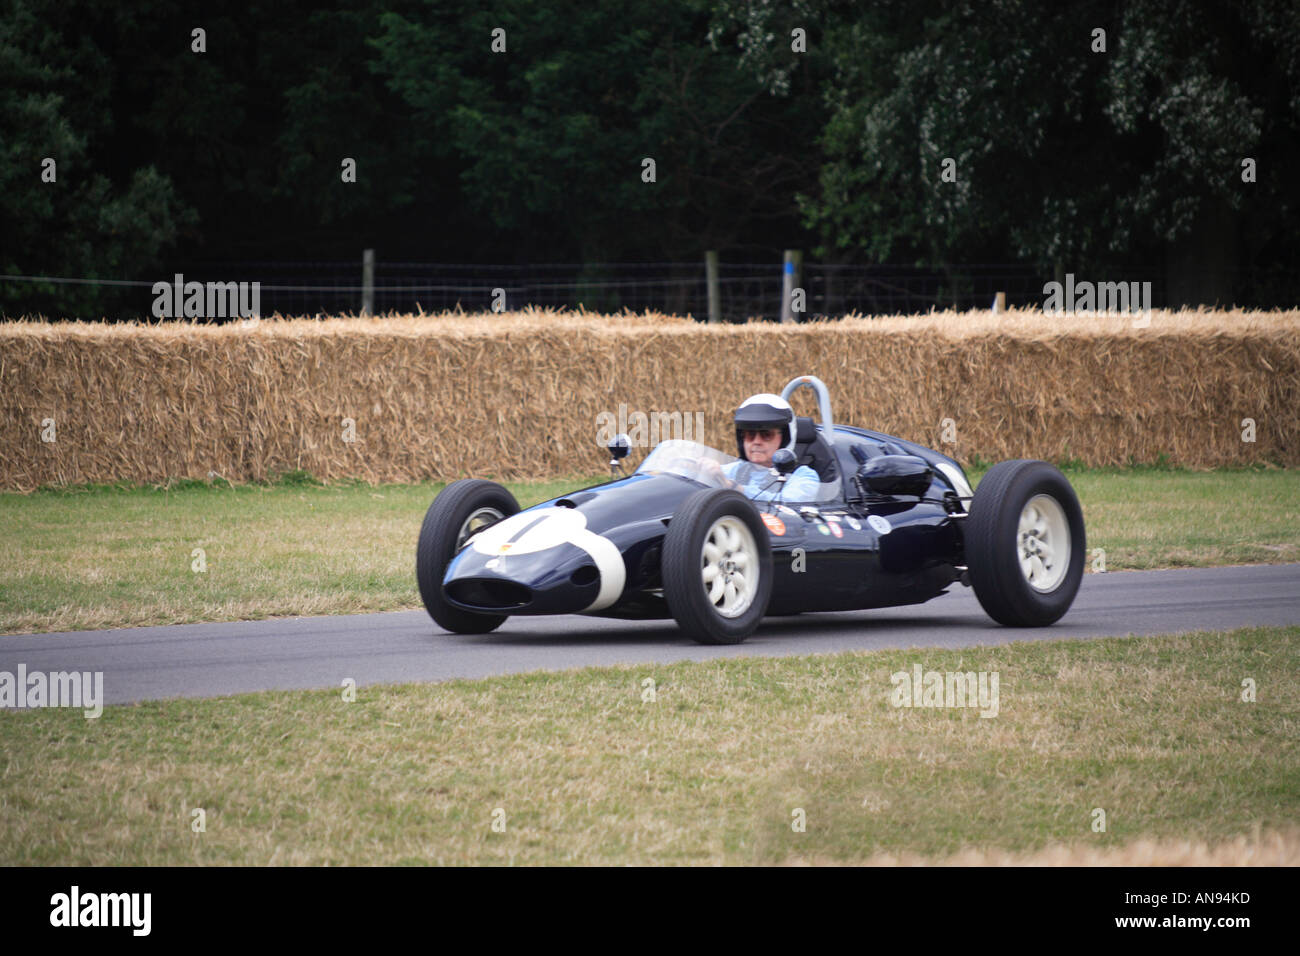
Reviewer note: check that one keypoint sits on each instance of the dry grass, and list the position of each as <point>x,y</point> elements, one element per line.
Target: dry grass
<point>113,557</point>
<point>518,394</point>
<point>1022,323</point>
<point>1259,849</point>
<point>588,771</point>
<point>444,324</point>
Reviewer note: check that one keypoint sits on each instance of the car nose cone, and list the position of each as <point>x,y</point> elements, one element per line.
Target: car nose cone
<point>540,561</point>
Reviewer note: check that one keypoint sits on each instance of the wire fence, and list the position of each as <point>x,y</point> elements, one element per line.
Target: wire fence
<point>747,290</point>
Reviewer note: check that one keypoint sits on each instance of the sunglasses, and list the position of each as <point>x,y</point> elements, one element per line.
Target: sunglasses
<point>766,434</point>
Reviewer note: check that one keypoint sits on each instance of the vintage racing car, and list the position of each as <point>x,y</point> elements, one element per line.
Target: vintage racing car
<point>891,523</point>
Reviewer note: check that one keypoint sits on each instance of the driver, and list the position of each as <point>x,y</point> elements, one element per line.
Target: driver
<point>764,423</point>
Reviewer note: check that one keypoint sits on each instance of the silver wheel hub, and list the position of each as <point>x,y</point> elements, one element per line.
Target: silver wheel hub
<point>1043,543</point>
<point>476,522</point>
<point>729,566</point>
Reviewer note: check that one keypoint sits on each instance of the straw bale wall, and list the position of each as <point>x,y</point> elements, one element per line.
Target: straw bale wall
<point>522,394</point>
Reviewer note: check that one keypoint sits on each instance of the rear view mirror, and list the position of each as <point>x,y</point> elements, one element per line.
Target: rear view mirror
<point>896,475</point>
<point>784,461</point>
<point>619,446</point>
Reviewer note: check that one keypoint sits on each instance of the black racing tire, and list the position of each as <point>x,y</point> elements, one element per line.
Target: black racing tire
<point>994,539</point>
<point>708,517</point>
<point>440,539</point>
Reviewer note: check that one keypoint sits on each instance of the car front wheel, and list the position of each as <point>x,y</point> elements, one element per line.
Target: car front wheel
<point>1025,543</point>
<point>717,567</point>
<point>460,511</point>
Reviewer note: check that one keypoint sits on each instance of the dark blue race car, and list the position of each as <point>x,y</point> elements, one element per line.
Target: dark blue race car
<point>891,523</point>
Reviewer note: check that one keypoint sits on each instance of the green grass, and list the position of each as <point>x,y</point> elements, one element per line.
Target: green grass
<point>1152,730</point>
<point>1153,517</point>
<point>120,556</point>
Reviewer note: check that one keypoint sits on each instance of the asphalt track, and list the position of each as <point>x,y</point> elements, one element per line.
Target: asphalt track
<point>208,660</point>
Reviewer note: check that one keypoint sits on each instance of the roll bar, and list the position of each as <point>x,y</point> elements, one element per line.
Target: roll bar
<point>823,402</point>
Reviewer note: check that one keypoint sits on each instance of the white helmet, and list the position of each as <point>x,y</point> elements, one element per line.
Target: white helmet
<point>764,410</point>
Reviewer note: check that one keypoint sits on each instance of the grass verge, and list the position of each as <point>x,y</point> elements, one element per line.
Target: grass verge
<point>118,556</point>
<point>585,769</point>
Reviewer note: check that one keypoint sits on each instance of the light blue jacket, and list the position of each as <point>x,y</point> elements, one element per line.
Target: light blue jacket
<point>758,483</point>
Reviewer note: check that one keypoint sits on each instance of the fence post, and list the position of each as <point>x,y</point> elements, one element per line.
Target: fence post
<point>368,282</point>
<point>711,280</point>
<point>790,280</point>
<point>1000,302</point>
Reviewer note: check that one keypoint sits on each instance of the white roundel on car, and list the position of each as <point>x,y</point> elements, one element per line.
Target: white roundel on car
<point>531,531</point>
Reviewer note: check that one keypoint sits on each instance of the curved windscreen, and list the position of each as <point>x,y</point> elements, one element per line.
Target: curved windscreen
<point>717,469</point>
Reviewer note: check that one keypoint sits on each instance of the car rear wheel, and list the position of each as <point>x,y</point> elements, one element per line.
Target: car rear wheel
<point>1025,543</point>
<point>460,511</point>
<point>717,567</point>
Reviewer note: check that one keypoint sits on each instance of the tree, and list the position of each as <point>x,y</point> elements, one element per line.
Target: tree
<point>551,134</point>
<point>68,218</point>
<point>1060,153</point>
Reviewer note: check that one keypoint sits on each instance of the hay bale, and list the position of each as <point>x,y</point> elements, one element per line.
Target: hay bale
<point>519,394</point>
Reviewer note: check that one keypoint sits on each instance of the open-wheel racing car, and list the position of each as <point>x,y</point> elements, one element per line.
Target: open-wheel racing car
<point>886,523</point>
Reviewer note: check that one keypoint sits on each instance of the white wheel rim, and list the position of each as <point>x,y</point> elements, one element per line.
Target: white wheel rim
<point>729,566</point>
<point>475,523</point>
<point>1043,543</point>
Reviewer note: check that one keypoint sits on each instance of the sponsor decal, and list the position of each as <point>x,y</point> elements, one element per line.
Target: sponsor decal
<point>855,524</point>
<point>879,524</point>
<point>774,524</point>
<point>823,529</point>
<point>493,564</point>
<point>835,530</point>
